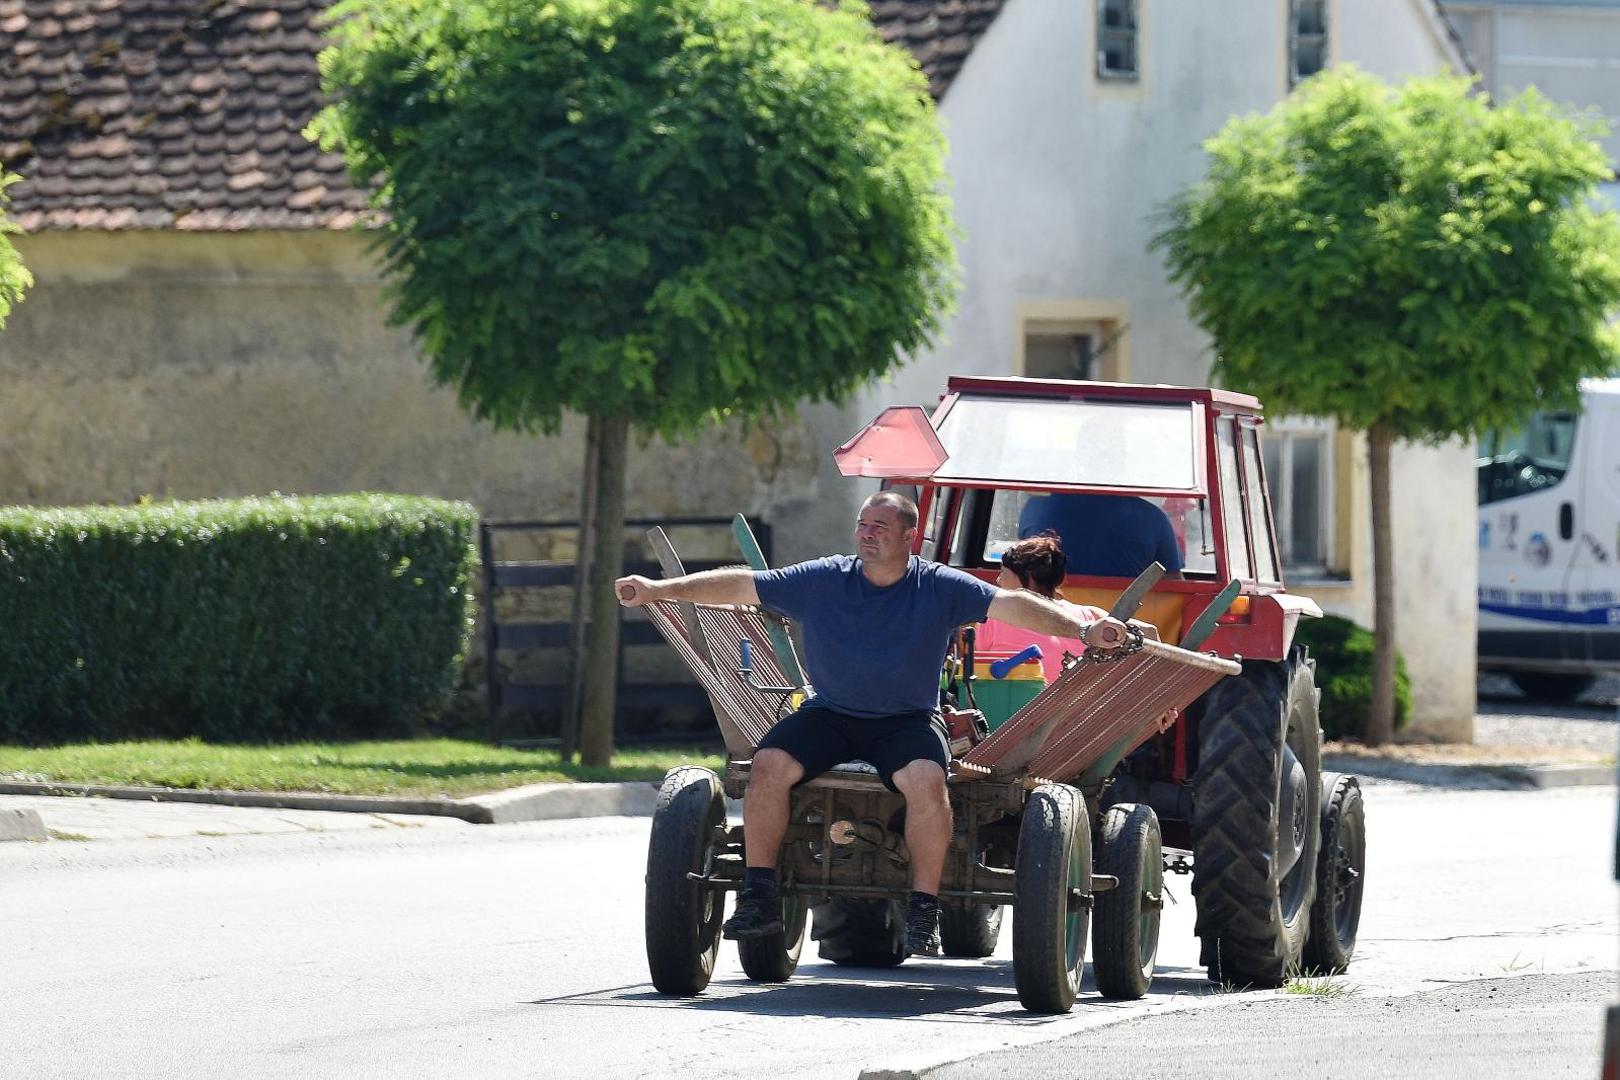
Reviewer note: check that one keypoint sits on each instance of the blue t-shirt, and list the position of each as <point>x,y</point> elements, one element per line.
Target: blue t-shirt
<point>1106,535</point>
<point>868,651</point>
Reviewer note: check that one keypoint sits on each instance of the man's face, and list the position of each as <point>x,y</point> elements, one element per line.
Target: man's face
<point>880,537</point>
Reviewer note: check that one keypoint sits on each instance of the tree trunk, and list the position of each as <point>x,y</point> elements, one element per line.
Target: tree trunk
<point>1381,718</point>
<point>590,483</point>
<point>601,661</point>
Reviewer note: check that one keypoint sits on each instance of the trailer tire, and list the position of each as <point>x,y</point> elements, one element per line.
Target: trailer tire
<point>775,957</point>
<point>855,932</point>
<point>683,916</point>
<point>970,931</point>
<point>1125,919</point>
<point>1049,932</point>
<point>1340,875</point>
<point>1256,821</point>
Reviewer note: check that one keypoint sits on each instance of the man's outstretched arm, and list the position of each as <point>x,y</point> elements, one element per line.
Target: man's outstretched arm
<point>731,585</point>
<point>1032,612</point>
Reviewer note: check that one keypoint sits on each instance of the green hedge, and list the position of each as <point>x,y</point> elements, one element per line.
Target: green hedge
<point>250,620</point>
<point>1344,658</point>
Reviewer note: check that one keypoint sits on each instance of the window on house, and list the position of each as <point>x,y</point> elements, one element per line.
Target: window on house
<point>1299,472</point>
<point>1060,356</point>
<point>1307,38</point>
<point>1116,39</point>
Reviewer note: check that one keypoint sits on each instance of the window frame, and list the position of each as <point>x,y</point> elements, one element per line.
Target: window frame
<point>1282,434</point>
<point>1324,37</point>
<point>1132,31</point>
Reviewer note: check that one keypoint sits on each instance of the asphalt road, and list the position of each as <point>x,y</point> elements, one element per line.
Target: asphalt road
<point>515,951</point>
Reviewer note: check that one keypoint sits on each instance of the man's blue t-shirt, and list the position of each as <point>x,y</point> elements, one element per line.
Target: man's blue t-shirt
<point>873,651</point>
<point>1106,535</point>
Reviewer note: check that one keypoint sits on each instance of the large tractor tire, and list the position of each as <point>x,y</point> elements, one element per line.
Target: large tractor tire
<point>860,933</point>
<point>1052,898</point>
<point>1340,876</point>
<point>682,915</point>
<point>775,957</point>
<point>1125,921</point>
<point>1257,821</point>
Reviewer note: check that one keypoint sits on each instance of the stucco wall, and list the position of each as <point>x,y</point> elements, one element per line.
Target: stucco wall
<point>200,366</point>
<point>1059,183</point>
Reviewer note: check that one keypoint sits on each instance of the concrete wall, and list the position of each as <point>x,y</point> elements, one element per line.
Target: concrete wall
<point>1059,183</point>
<point>195,366</point>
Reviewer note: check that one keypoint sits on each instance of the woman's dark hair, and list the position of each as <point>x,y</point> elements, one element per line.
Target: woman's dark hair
<point>1038,562</point>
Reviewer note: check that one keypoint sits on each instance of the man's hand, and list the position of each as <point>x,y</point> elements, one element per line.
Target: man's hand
<point>1105,634</point>
<point>727,586</point>
<point>635,591</point>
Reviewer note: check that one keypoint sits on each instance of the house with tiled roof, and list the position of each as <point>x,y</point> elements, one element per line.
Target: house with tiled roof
<point>208,319</point>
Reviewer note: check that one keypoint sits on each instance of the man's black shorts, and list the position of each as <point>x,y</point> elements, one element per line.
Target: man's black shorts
<point>819,738</point>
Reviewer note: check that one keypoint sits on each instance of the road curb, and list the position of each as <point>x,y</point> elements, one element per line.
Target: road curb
<point>22,825</point>
<point>1471,775</point>
<point>535,802</point>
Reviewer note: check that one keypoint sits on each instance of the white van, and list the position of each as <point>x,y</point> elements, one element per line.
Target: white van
<point>1549,547</point>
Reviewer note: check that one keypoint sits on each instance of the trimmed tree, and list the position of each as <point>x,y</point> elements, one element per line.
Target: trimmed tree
<point>653,215</point>
<point>1412,261</point>
<point>14,276</point>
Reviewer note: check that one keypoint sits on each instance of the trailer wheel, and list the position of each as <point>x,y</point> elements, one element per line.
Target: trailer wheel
<point>1257,821</point>
<point>683,916</point>
<point>775,957</point>
<point>1125,926</point>
<point>970,930</point>
<point>854,932</point>
<point>1340,874</point>
<point>1052,899</point>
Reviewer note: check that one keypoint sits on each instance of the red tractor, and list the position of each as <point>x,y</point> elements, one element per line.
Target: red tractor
<point>1275,846</point>
<point>1198,752</point>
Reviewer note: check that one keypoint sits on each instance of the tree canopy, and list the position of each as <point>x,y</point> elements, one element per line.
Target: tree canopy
<point>1411,256</point>
<point>14,276</point>
<point>665,211</point>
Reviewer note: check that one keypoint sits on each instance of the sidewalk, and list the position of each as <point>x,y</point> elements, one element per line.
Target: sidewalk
<point>1556,746</point>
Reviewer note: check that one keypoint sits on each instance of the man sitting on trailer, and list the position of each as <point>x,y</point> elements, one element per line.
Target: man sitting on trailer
<point>876,627</point>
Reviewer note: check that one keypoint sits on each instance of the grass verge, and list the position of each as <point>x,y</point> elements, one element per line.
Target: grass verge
<point>418,767</point>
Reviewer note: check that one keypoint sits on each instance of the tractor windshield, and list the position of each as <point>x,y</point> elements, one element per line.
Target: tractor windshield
<point>1111,444</point>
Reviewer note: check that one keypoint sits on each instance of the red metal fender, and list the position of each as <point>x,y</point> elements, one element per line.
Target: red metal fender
<point>1264,632</point>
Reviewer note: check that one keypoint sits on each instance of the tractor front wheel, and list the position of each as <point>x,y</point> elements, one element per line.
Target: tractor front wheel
<point>1340,874</point>
<point>1257,821</point>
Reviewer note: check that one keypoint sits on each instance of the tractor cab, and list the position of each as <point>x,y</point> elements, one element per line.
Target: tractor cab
<point>1101,463</point>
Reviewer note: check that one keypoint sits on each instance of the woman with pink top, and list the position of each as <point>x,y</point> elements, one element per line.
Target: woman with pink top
<point>1036,563</point>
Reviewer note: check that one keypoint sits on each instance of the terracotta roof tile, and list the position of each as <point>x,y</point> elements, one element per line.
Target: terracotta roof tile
<point>189,114</point>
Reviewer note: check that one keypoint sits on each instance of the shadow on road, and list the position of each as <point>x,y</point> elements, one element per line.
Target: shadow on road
<point>962,991</point>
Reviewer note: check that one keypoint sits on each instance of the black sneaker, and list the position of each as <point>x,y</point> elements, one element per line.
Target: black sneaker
<point>922,930</point>
<point>756,917</point>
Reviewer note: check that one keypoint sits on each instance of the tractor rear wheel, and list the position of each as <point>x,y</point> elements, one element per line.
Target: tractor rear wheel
<point>860,933</point>
<point>682,915</point>
<point>1052,899</point>
<point>1125,923</point>
<point>1340,874</point>
<point>1257,821</point>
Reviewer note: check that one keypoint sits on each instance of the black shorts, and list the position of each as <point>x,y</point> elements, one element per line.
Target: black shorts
<point>819,738</point>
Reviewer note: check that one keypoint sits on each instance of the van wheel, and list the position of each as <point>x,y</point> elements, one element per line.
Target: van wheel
<point>1556,686</point>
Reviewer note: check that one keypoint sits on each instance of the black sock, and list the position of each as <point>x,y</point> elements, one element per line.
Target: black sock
<point>922,901</point>
<point>760,881</point>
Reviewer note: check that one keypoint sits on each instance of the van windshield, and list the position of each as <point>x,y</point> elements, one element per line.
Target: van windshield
<point>1534,458</point>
